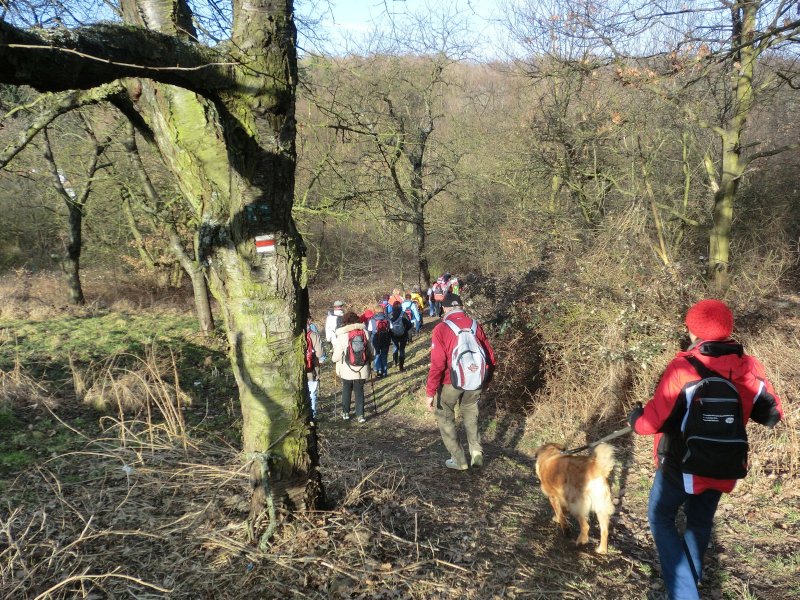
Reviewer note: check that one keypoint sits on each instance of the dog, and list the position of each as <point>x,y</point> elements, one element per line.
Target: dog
<point>578,484</point>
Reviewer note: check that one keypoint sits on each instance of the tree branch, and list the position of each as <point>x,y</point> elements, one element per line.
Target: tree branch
<point>54,106</point>
<point>90,56</point>
<point>766,153</point>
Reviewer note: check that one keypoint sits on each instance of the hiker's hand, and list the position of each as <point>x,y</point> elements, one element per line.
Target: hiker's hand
<point>429,403</point>
<point>637,412</point>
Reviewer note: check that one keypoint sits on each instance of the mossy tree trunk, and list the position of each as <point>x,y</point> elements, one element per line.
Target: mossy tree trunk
<point>226,132</point>
<point>234,158</point>
<point>743,61</point>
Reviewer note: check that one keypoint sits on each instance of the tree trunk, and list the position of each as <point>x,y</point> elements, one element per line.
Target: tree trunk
<point>72,261</point>
<point>420,236</point>
<point>234,159</point>
<point>720,239</point>
<point>742,70</point>
<point>202,302</point>
<point>194,270</point>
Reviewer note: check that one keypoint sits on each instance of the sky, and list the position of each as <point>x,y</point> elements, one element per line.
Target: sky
<point>346,21</point>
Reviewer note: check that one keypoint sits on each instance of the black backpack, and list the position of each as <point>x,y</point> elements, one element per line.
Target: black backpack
<point>397,326</point>
<point>713,427</point>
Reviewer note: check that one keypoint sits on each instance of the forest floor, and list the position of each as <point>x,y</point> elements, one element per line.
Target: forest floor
<point>146,507</point>
<point>491,528</point>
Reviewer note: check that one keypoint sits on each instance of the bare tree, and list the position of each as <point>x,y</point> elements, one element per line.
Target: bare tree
<point>75,202</point>
<point>672,49</point>
<point>391,104</point>
<point>189,262</point>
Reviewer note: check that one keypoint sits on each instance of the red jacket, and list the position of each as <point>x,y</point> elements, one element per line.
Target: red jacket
<point>662,415</point>
<point>443,341</point>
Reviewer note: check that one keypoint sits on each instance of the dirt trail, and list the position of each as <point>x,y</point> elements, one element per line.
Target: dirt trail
<point>492,523</point>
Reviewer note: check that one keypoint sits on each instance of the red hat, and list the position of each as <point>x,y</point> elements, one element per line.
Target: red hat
<point>710,320</point>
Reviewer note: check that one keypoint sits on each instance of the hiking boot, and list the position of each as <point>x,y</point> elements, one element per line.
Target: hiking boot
<point>345,416</point>
<point>451,464</point>
<point>362,419</point>
<point>477,459</point>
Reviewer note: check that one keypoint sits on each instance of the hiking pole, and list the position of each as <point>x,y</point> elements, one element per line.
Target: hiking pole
<point>610,436</point>
<point>374,404</point>
<point>335,387</point>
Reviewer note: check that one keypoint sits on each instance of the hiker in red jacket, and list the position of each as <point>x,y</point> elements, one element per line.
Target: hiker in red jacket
<point>466,389</point>
<point>704,398</point>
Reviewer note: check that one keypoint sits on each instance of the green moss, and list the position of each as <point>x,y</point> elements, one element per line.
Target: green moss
<point>90,338</point>
<point>15,460</point>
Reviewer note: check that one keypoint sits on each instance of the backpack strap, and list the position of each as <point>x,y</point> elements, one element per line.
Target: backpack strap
<point>701,369</point>
<point>456,329</point>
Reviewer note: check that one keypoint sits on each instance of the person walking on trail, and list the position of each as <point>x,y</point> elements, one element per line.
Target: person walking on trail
<point>439,292</point>
<point>462,362</point>
<point>315,356</point>
<point>432,311</point>
<point>698,414</point>
<point>416,296</point>
<point>397,296</point>
<point>352,355</point>
<point>411,311</point>
<point>333,321</point>
<point>453,285</point>
<point>400,327</point>
<point>378,329</point>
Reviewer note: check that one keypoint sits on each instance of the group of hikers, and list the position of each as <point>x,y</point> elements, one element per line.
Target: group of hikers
<point>360,343</point>
<point>697,415</point>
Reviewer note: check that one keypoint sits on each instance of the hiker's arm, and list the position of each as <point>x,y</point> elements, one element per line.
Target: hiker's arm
<point>438,363</point>
<point>659,409</point>
<point>767,408</point>
<point>484,341</point>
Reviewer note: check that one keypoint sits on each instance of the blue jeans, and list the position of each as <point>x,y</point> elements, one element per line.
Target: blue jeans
<point>681,557</point>
<point>313,390</point>
<point>381,360</point>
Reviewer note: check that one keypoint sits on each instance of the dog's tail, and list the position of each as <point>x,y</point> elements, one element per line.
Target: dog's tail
<point>604,458</point>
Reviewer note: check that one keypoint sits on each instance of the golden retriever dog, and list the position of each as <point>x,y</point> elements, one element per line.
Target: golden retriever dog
<point>578,484</point>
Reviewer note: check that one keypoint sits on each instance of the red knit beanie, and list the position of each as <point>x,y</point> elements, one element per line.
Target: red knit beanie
<point>710,320</point>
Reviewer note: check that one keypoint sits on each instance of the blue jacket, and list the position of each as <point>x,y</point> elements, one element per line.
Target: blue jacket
<point>414,310</point>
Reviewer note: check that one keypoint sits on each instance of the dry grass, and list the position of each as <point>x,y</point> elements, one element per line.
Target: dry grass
<point>43,295</point>
<point>148,388</point>
<point>17,389</point>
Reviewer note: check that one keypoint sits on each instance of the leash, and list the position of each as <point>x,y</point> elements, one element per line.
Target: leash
<point>610,436</point>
